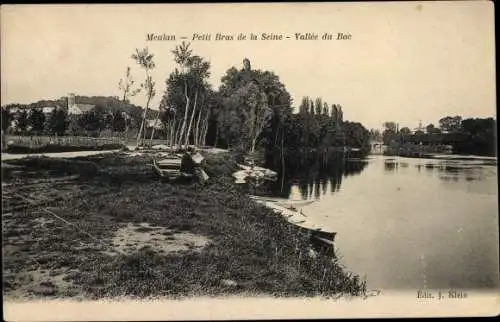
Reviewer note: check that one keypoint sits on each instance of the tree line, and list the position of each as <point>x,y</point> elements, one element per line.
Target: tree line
<point>110,114</point>
<point>467,136</point>
<point>251,110</point>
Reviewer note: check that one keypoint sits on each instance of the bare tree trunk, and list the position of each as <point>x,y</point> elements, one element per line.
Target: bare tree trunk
<point>191,120</point>
<point>178,134</point>
<point>196,129</point>
<point>169,131</point>
<point>197,134</point>
<point>141,129</point>
<point>174,126</point>
<point>154,127</point>
<point>184,122</point>
<point>252,147</point>
<point>143,123</point>
<point>199,128</point>
<point>172,132</point>
<point>144,133</point>
<point>205,128</point>
<point>204,137</point>
<point>202,140</point>
<point>258,131</point>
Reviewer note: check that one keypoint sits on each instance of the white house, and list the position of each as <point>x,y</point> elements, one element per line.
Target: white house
<point>48,110</point>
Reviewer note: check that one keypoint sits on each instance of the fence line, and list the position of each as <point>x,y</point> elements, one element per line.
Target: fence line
<point>37,141</point>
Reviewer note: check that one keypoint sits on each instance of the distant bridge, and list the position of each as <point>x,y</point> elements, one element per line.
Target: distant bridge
<point>377,147</point>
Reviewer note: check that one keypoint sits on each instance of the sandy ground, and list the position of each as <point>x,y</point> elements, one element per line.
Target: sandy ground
<point>134,237</point>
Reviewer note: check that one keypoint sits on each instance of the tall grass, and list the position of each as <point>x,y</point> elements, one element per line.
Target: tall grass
<point>256,250</point>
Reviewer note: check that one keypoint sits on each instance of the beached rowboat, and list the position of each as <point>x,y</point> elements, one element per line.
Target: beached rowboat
<point>169,168</point>
<point>285,203</point>
<point>320,239</point>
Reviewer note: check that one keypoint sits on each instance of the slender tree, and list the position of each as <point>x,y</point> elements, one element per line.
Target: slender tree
<point>145,60</point>
<point>186,93</point>
<point>182,56</point>
<point>127,90</point>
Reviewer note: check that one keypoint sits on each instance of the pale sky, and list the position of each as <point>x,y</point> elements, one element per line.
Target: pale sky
<point>405,62</point>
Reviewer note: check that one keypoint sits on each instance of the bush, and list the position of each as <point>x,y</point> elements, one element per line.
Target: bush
<point>221,164</point>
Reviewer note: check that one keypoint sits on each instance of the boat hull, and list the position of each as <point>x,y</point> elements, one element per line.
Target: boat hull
<point>169,170</point>
<point>172,167</point>
<point>321,241</point>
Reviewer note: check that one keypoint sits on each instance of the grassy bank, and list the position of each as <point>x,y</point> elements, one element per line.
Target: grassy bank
<point>120,231</point>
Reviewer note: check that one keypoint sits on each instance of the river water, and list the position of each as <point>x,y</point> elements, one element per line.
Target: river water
<point>403,223</point>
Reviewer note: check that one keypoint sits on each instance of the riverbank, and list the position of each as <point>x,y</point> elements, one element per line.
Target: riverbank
<point>104,226</point>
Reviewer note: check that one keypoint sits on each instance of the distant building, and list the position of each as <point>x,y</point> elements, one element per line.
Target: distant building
<point>14,110</point>
<point>77,109</point>
<point>48,110</point>
<point>419,129</point>
<point>151,124</point>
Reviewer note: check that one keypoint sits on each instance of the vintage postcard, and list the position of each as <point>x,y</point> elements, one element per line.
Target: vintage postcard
<point>236,161</point>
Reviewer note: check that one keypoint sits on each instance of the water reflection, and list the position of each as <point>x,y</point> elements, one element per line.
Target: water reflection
<point>455,170</point>
<point>315,174</point>
<point>391,165</point>
<point>431,222</point>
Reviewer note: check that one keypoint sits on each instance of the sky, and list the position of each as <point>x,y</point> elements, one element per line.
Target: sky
<point>405,62</point>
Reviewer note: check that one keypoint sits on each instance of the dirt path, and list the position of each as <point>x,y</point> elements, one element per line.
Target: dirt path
<point>8,156</point>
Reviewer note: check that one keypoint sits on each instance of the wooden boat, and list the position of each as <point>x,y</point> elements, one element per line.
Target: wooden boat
<point>293,216</point>
<point>175,166</point>
<point>322,241</point>
<point>324,245</point>
<point>269,199</point>
<point>324,234</point>
<point>294,204</point>
<point>285,203</point>
<point>169,166</point>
